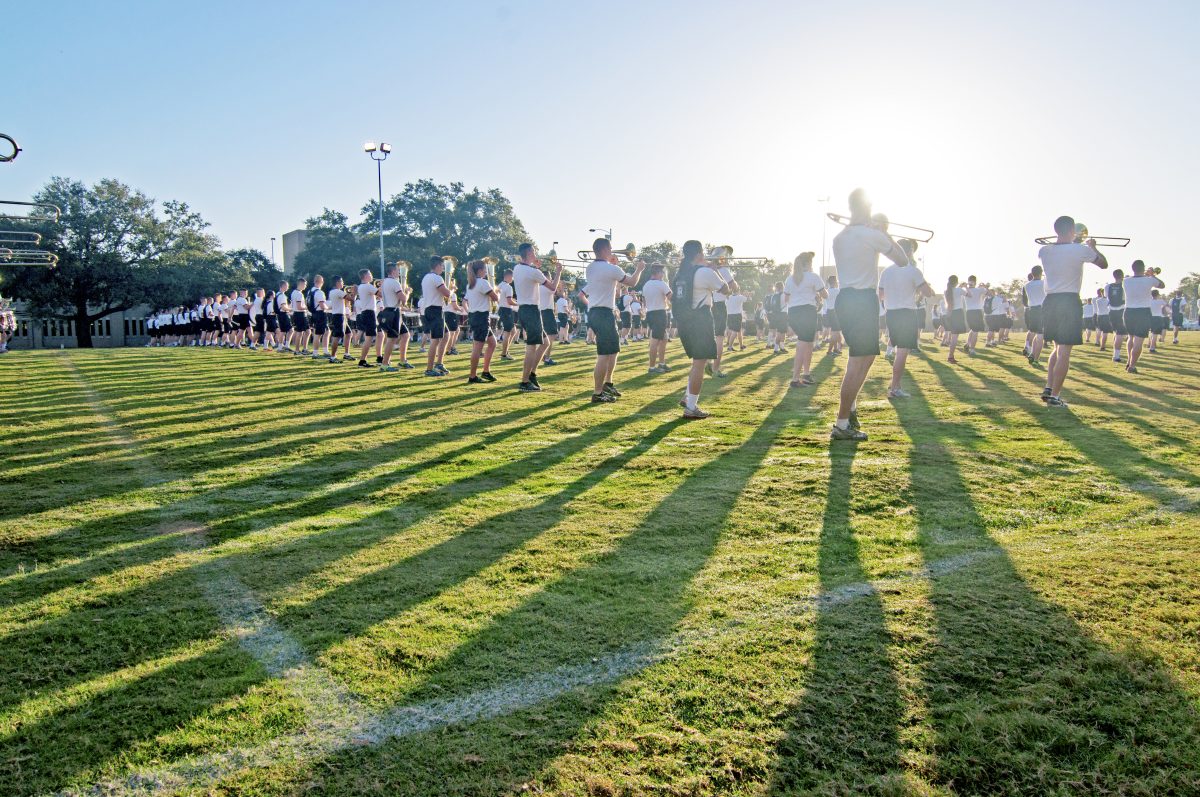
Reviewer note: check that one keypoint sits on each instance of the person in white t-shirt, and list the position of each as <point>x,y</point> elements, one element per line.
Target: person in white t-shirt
<point>562,316</point>
<point>1161,313</point>
<point>364,305</point>
<point>258,324</point>
<point>803,292</point>
<point>301,330</point>
<point>320,318</point>
<point>479,298</point>
<point>394,294</point>
<point>1062,311</point>
<point>1103,320</point>
<point>692,294</point>
<point>900,288</point>
<point>337,317</point>
<point>283,314</point>
<point>1034,295</point>
<point>549,320</point>
<point>1139,316</point>
<point>974,295</point>
<point>658,297</point>
<point>635,317</point>
<point>856,251</point>
<point>434,298</point>
<point>735,321</point>
<point>527,281</point>
<point>604,277</point>
<point>507,313</point>
<point>1089,319</point>
<point>720,311</point>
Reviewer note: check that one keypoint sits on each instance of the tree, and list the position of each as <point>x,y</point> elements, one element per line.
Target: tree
<point>116,251</point>
<point>332,248</point>
<point>1189,286</point>
<point>262,273</point>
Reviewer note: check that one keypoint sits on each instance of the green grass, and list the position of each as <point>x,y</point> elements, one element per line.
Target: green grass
<point>988,597</point>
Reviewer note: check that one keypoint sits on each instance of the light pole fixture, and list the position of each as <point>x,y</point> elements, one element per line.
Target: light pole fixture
<point>272,253</point>
<point>607,233</point>
<point>379,153</point>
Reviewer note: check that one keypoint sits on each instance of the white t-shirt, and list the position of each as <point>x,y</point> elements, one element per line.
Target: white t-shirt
<point>900,285</point>
<point>1035,292</point>
<point>735,304</point>
<point>391,289</point>
<point>239,305</point>
<point>337,301</point>
<point>560,304</point>
<point>1101,305</point>
<point>999,305</point>
<point>430,295</point>
<point>635,309</point>
<point>724,273</point>
<point>1063,266</point>
<point>1157,306</point>
<point>705,284</point>
<point>803,291</point>
<point>602,278</point>
<point>1137,290</point>
<point>297,301</point>
<point>974,297</point>
<point>366,297</point>
<point>656,293</point>
<point>319,301</point>
<point>856,252</point>
<point>545,298</point>
<point>1089,310</point>
<point>256,307</point>
<point>281,303</point>
<point>526,280</point>
<point>829,300</point>
<point>477,297</point>
<point>506,293</point>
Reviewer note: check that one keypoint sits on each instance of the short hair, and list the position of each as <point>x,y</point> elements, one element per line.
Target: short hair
<point>972,278</point>
<point>363,273</point>
<point>1064,225</point>
<point>301,279</point>
<point>524,249</point>
<point>1037,271</point>
<point>392,269</point>
<point>281,284</point>
<point>318,278</point>
<point>434,260</point>
<point>657,269</point>
<point>1118,273</point>
<point>601,243</point>
<point>859,200</point>
<point>338,280</point>
<point>507,273</point>
<point>1138,266</point>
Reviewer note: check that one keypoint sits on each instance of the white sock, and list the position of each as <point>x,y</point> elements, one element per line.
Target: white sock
<point>690,399</point>
<point>842,423</point>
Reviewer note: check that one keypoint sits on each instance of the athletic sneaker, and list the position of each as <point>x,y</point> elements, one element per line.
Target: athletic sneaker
<point>317,356</point>
<point>602,398</point>
<point>807,379</point>
<point>453,351</point>
<point>387,369</point>
<point>795,383</point>
<point>719,375</point>
<point>1045,394</point>
<point>363,364</point>
<point>549,361</point>
<point>854,424</point>
<point>505,358</point>
<point>611,390</point>
<point>334,360</point>
<point>1117,358</point>
<point>486,376</point>
<point>898,393</point>
<point>406,364</point>
<point>443,370</point>
<point>654,369</point>
<point>1055,401</point>
<point>533,380</point>
<point>665,366</point>
<point>694,415</point>
<point>528,387</point>
<point>474,380</point>
<point>432,372</point>
<point>838,433</point>
<point>1132,369</point>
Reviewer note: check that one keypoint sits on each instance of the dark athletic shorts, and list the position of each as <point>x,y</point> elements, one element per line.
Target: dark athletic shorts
<point>603,323</point>
<point>450,320</point>
<point>337,326</point>
<point>1062,319</point>
<point>1104,323</point>
<point>366,323</point>
<point>657,321</point>
<point>1177,320</point>
<point>272,323</point>
<point>242,320</point>
<point>902,328</point>
<point>802,320</point>
<point>479,323</point>
<point>1159,324</point>
<point>508,319</point>
<point>831,320</point>
<point>285,322</point>
<point>549,322</point>
<point>777,321</point>
<point>626,319</point>
<point>958,322</point>
<point>563,321</point>
<point>389,322</point>
<point>1033,319</point>
<point>435,322</point>
<point>733,321</point>
<point>697,333</point>
<point>995,323</point>
<point>226,326</point>
<point>975,321</point>
<point>260,324</point>
<point>1138,321</point>
<point>320,322</point>
<point>1117,319</point>
<point>531,322</point>
<point>1089,322</point>
<point>858,315</point>
<point>720,315</point>
<point>300,321</point>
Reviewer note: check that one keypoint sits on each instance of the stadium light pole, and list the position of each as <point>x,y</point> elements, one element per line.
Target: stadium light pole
<point>824,222</point>
<point>379,153</point>
<point>607,233</point>
<point>273,254</point>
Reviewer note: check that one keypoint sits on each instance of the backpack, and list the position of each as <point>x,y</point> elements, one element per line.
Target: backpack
<point>1116,294</point>
<point>682,291</point>
<point>308,300</point>
<point>987,305</point>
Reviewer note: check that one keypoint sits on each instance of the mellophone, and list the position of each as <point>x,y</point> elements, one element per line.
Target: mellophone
<point>1082,235</point>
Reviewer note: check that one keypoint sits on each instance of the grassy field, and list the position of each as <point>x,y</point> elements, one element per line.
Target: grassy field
<point>236,573</point>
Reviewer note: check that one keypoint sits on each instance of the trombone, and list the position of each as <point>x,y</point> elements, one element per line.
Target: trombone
<point>723,256</point>
<point>1081,235</point>
<point>11,149</point>
<point>52,212</point>
<point>920,231</point>
<point>629,253</point>
<point>27,257</point>
<point>20,237</point>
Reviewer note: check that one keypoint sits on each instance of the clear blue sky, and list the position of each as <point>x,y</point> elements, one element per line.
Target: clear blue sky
<point>714,120</point>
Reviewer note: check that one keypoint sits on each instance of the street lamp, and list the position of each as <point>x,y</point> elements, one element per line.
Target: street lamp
<point>379,153</point>
<point>607,233</point>
<point>272,254</point>
<point>824,221</point>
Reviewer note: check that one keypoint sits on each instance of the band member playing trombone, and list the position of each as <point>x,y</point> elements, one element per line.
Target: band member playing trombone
<point>1062,312</point>
<point>395,296</point>
<point>528,280</point>
<point>856,251</point>
<point>603,277</point>
<point>900,286</point>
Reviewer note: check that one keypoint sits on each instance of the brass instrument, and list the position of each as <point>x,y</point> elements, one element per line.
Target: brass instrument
<point>915,234</point>
<point>402,267</point>
<point>27,257</point>
<point>723,256</point>
<point>10,150</point>
<point>49,212</point>
<point>490,264</point>
<point>551,258</point>
<point>20,237</point>
<point>1082,235</point>
<point>629,253</point>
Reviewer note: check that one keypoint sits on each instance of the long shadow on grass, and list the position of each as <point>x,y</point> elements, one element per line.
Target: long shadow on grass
<point>842,735</point>
<point>1021,699</point>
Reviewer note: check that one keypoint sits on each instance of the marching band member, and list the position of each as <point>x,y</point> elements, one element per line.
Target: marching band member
<point>803,290</point>
<point>561,309</point>
<point>1103,319</point>
<point>691,302</point>
<point>973,295</point>
<point>900,287</point>
<point>479,297</point>
<point>720,313</point>
<point>434,294</point>
<point>300,325</point>
<point>528,279</point>
<point>365,307</point>
<point>450,315</point>
<point>831,319</point>
<point>337,317</point>
<point>320,318</point>
<point>956,315</point>
<point>283,310</point>
<point>258,323</point>
<point>507,313</point>
<point>549,320</point>
<point>1178,303</point>
<point>1115,293</point>
<point>735,307</point>
<point>856,251</point>
<point>776,319</point>
<point>604,277</point>
<point>1089,320</point>
<point>1062,311</point>
<point>390,321</point>
<point>1034,294</point>
<point>1162,320</point>
<point>241,316</point>
<point>1138,317</point>
<point>658,295</point>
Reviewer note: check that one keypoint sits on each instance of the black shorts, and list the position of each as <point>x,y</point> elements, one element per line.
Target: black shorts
<point>603,323</point>
<point>855,308</point>
<point>720,316</point>
<point>366,323</point>
<point>1138,321</point>
<point>1117,319</point>
<point>531,322</point>
<point>657,321</point>
<point>903,329</point>
<point>995,323</point>
<point>389,322</point>
<point>803,320</point>
<point>778,321</point>
<point>549,322</point>
<point>958,322</point>
<point>320,322</point>
<point>1159,324</point>
<point>563,321</point>
<point>733,322</point>
<point>1033,319</point>
<point>480,325</point>
<point>242,320</point>
<point>285,322</point>
<point>975,321</point>
<point>626,319</point>
<point>272,323</point>
<point>1177,320</point>
<point>300,321</point>
<point>337,326</point>
<point>226,326</point>
<point>508,319</point>
<point>1104,323</point>
<point>1089,322</point>
<point>1062,319</point>
<point>435,322</point>
<point>260,324</point>
<point>831,320</point>
<point>697,333</point>
<point>450,320</point>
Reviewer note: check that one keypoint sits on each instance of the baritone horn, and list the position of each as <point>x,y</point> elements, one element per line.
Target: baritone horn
<point>918,234</point>
<point>402,268</point>
<point>1082,235</point>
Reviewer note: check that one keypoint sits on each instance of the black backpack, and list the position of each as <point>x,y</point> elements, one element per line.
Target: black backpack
<point>987,305</point>
<point>1116,295</point>
<point>308,299</point>
<point>682,291</point>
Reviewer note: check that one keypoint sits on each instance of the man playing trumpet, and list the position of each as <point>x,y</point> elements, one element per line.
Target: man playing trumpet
<point>603,278</point>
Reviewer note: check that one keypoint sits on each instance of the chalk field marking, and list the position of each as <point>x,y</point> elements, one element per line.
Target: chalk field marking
<point>350,730</point>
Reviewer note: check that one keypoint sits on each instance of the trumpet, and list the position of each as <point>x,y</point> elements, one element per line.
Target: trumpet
<point>723,256</point>
<point>1082,234</point>
<point>888,225</point>
<point>629,253</point>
